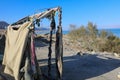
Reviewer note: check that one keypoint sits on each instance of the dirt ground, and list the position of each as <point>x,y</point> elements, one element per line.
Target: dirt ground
<point>97,66</point>
<point>89,66</point>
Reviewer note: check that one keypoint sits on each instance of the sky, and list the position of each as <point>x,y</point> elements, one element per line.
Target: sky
<point>103,13</point>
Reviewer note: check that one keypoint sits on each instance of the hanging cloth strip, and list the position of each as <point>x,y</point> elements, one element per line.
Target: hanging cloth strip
<point>59,53</point>
<point>32,51</point>
<point>59,48</point>
<point>37,74</point>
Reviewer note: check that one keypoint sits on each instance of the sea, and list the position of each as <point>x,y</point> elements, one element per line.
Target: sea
<point>115,32</point>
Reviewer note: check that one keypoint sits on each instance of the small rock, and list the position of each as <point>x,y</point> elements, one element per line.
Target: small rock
<point>116,55</point>
<point>79,53</point>
<point>93,52</point>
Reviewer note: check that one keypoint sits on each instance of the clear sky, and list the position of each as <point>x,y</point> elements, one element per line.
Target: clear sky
<point>104,13</point>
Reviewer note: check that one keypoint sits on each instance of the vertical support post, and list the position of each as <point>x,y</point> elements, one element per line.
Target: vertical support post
<point>59,48</point>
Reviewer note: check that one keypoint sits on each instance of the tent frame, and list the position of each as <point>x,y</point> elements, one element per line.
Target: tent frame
<point>50,13</point>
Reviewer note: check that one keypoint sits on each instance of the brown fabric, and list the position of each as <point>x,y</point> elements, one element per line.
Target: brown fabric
<point>59,53</point>
<point>15,44</point>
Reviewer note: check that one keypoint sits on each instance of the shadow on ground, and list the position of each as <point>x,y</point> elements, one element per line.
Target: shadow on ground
<point>84,67</point>
<point>41,42</point>
<point>79,67</point>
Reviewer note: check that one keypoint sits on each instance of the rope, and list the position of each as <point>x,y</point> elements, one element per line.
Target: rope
<point>49,55</point>
<point>52,25</point>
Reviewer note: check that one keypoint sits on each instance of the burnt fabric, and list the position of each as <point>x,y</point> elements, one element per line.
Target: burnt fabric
<point>59,53</point>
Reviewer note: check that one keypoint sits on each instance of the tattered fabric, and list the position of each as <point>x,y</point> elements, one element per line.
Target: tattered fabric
<point>16,41</point>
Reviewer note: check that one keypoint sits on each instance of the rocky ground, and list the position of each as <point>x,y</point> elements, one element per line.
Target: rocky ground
<point>79,65</point>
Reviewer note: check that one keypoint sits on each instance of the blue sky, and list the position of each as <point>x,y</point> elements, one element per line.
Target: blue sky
<point>104,13</point>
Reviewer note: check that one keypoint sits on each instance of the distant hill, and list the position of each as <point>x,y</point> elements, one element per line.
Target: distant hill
<point>3,24</point>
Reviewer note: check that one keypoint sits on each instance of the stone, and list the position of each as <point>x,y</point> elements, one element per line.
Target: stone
<point>116,55</point>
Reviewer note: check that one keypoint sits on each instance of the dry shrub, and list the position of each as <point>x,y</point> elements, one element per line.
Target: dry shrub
<point>95,40</point>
